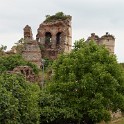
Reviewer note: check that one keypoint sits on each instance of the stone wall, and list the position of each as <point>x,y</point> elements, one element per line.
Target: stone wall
<point>52,39</point>
<point>32,52</point>
<point>55,37</point>
<point>27,72</point>
<point>107,40</point>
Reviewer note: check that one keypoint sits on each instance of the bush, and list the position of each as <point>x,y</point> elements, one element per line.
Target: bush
<point>18,100</point>
<point>87,84</point>
<point>8,63</point>
<point>57,16</point>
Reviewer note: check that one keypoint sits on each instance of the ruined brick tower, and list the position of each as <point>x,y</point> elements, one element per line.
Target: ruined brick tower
<point>28,33</point>
<point>31,51</point>
<point>55,37</point>
<point>107,40</point>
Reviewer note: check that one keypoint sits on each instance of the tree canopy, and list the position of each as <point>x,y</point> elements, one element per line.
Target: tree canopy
<point>9,62</point>
<point>87,84</point>
<point>18,100</point>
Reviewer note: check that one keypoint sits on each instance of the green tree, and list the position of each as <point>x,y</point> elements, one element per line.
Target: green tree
<point>2,50</point>
<point>18,48</point>
<point>88,83</point>
<point>8,63</point>
<point>18,100</point>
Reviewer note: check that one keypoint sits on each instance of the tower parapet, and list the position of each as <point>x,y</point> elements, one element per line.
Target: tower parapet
<point>28,33</point>
<point>54,36</point>
<point>107,40</point>
<point>93,37</point>
<point>31,51</point>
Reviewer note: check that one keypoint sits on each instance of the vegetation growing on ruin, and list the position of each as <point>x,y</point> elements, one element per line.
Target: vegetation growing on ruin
<point>9,62</point>
<point>19,46</point>
<point>57,16</point>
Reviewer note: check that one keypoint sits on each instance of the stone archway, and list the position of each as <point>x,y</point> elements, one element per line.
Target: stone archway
<point>48,37</point>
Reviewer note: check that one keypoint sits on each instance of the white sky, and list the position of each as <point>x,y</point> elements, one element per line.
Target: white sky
<point>88,16</point>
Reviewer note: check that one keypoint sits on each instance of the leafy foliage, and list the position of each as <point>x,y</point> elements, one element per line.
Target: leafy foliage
<point>18,100</point>
<point>88,83</point>
<point>57,16</point>
<point>19,46</point>
<point>12,61</point>
<point>47,63</point>
<point>2,50</point>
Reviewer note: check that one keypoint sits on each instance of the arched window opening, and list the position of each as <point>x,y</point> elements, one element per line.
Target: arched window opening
<point>27,72</point>
<point>58,38</point>
<point>48,37</point>
<point>22,72</point>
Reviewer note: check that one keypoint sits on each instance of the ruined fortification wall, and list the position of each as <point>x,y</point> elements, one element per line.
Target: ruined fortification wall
<point>32,53</point>
<point>107,40</point>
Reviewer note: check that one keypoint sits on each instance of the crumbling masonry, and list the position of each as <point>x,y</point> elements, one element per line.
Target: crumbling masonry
<point>52,38</point>
<point>107,40</point>
<point>55,37</point>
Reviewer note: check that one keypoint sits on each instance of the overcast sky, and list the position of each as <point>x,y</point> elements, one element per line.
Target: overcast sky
<point>88,16</point>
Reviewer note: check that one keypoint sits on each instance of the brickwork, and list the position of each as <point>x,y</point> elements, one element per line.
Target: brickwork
<point>52,38</point>
<point>27,72</point>
<point>55,37</point>
<point>28,32</point>
<point>107,40</point>
<point>32,53</point>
